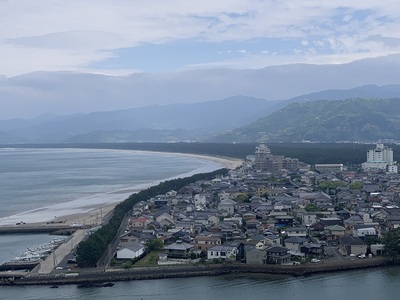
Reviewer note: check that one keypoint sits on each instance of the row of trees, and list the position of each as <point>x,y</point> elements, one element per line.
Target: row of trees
<point>311,153</point>
<point>391,240</point>
<point>90,251</point>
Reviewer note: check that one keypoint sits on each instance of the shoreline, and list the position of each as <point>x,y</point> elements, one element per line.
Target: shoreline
<point>90,278</point>
<point>91,215</point>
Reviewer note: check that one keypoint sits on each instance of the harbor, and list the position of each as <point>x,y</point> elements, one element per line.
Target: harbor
<point>31,258</point>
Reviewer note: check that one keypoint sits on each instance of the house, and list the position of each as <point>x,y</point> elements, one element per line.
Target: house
<point>138,223</point>
<point>272,240</point>
<point>224,252</point>
<point>312,249</point>
<point>333,232</point>
<point>179,249</point>
<point>200,201</point>
<point>130,251</point>
<point>296,231</point>
<point>228,206</point>
<point>256,257</point>
<point>352,245</point>
<point>309,218</point>
<point>317,227</point>
<point>128,238</point>
<point>294,243</point>
<point>328,221</point>
<point>203,243</point>
<point>365,233</point>
<point>160,200</point>
<point>257,241</point>
<point>283,220</point>
<point>277,255</point>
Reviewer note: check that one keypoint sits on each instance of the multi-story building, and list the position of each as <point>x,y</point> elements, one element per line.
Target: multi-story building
<point>380,158</point>
<point>265,161</point>
<point>328,168</point>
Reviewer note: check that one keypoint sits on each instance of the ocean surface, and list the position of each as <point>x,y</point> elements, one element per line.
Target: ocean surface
<point>38,185</point>
<point>41,184</point>
<point>382,284</point>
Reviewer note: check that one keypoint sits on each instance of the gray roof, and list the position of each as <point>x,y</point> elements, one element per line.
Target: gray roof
<point>134,246</point>
<point>222,248</point>
<point>179,246</point>
<point>277,249</point>
<point>351,240</point>
<point>295,239</point>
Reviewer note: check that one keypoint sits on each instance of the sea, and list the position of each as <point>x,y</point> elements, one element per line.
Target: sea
<point>382,284</point>
<point>40,184</point>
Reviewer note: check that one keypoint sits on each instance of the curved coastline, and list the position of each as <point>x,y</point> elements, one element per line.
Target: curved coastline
<point>116,196</point>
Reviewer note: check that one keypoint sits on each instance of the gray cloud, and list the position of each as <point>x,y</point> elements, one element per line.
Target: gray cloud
<point>69,92</point>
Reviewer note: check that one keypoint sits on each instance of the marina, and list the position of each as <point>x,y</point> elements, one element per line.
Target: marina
<point>31,258</point>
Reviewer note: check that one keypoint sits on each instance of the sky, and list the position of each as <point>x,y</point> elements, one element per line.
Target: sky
<point>158,36</point>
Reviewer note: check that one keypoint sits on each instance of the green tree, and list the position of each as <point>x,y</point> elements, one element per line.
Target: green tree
<point>311,207</point>
<point>154,245</point>
<point>355,185</point>
<point>391,241</point>
<point>242,198</point>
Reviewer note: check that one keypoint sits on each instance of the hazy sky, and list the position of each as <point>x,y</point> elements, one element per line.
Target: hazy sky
<point>125,36</point>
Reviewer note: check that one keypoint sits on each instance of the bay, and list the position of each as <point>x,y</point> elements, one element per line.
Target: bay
<point>41,184</point>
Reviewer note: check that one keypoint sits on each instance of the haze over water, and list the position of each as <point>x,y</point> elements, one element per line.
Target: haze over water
<point>40,184</point>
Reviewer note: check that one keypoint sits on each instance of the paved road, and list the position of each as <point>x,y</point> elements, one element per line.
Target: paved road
<point>51,262</point>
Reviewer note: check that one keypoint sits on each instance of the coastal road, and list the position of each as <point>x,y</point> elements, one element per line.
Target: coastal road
<point>51,262</point>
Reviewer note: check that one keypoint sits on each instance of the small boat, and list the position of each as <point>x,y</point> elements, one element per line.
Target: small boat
<point>108,284</point>
<point>54,287</point>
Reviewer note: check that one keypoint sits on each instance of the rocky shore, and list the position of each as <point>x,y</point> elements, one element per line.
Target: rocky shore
<point>95,276</point>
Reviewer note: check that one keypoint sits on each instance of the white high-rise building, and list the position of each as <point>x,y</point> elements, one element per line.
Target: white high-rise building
<point>380,158</point>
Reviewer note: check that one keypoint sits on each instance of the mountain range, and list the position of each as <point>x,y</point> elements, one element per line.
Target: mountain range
<point>361,120</point>
<point>66,93</point>
<point>311,117</point>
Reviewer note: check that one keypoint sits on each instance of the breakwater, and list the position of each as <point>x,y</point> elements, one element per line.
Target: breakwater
<point>58,229</point>
<point>94,276</point>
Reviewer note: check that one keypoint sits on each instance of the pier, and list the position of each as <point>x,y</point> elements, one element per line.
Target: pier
<point>34,228</point>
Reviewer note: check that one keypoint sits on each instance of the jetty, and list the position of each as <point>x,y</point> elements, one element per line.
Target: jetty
<point>36,228</point>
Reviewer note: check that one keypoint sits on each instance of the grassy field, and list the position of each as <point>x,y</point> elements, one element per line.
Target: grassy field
<point>150,260</point>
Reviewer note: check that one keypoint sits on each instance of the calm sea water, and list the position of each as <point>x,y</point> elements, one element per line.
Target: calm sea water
<point>52,182</point>
<point>370,284</point>
<point>39,184</point>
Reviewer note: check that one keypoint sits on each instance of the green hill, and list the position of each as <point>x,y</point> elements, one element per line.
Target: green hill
<point>361,120</point>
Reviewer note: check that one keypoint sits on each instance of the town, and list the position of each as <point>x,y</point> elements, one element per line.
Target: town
<point>271,210</point>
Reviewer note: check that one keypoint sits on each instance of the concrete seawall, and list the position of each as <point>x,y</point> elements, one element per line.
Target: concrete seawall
<point>93,276</point>
<point>53,228</point>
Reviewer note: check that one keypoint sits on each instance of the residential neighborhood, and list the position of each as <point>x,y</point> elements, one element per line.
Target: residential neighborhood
<point>270,210</point>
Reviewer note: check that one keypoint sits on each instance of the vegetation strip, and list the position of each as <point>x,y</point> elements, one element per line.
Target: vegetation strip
<point>91,250</point>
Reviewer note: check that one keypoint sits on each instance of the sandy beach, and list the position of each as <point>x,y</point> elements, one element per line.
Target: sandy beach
<point>91,217</point>
<point>101,206</point>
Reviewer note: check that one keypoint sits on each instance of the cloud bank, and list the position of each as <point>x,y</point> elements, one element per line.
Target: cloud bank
<point>104,36</point>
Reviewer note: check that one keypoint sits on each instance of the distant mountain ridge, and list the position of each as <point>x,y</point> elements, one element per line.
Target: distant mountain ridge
<point>366,92</point>
<point>194,120</point>
<point>203,121</point>
<point>71,92</point>
<point>361,120</point>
